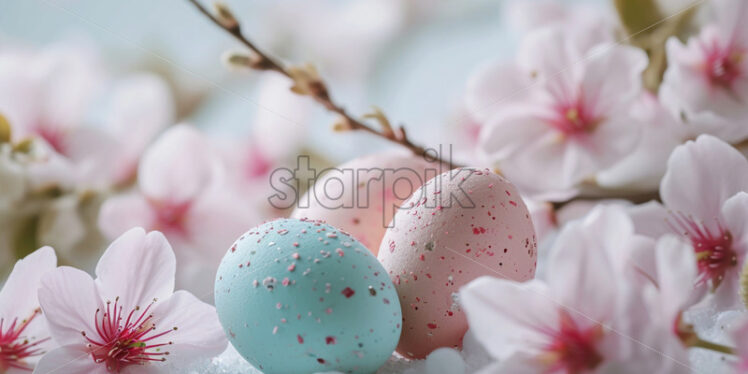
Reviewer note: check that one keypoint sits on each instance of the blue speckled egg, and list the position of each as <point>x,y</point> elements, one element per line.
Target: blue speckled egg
<point>297,296</point>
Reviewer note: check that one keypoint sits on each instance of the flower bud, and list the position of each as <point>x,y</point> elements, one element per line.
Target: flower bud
<point>307,81</point>
<point>342,125</point>
<point>378,115</point>
<point>242,60</point>
<point>225,16</point>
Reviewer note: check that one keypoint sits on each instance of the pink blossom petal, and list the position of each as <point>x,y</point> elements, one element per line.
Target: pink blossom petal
<point>93,154</point>
<point>199,333</point>
<point>581,261</point>
<point>559,175</point>
<point>137,267</point>
<point>701,176</point>
<point>121,213</point>
<point>727,295</point>
<point>16,296</point>
<point>614,139</point>
<point>740,337</point>
<point>509,132</point>
<point>216,220</point>
<point>69,300</point>
<point>650,219</point>
<point>547,53</point>
<point>491,305</point>
<point>735,214</point>
<point>177,167</point>
<point>70,359</point>
<point>141,107</point>
<point>71,74</point>
<point>493,86</point>
<point>643,168</point>
<point>676,271</point>
<point>613,93</point>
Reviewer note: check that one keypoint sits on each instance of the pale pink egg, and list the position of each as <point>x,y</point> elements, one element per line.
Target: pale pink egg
<point>362,195</point>
<point>459,226</point>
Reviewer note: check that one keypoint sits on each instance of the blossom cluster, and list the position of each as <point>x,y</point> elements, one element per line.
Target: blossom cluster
<point>572,117</point>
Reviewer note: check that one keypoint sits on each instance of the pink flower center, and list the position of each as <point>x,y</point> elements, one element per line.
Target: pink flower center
<point>714,252</point>
<point>257,164</point>
<point>574,118</point>
<point>572,349</point>
<point>170,216</point>
<point>119,342</point>
<point>723,65</point>
<point>54,137</point>
<point>15,347</point>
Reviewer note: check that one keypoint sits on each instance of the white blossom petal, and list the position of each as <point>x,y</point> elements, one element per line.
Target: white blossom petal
<point>701,176</point>
<point>177,167</point>
<point>137,267</point>
<point>123,212</point>
<point>493,86</point>
<point>69,359</point>
<point>735,214</point>
<point>69,300</point>
<point>18,295</point>
<point>198,332</point>
<point>497,322</point>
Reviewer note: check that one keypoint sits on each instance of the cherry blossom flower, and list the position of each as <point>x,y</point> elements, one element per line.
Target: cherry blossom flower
<point>705,200</point>
<point>706,83</point>
<point>53,94</point>
<point>23,332</point>
<point>182,193</point>
<point>587,317</point>
<point>567,116</point>
<point>31,169</point>
<point>129,319</point>
<point>47,92</point>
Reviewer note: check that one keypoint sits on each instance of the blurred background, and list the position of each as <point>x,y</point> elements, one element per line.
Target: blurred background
<point>409,57</point>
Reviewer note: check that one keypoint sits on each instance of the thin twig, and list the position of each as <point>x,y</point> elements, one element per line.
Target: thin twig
<point>315,88</point>
<point>635,198</point>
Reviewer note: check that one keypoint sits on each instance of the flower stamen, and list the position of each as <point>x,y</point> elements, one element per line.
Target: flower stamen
<point>715,255</point>
<point>15,348</point>
<point>119,344</point>
<point>573,349</point>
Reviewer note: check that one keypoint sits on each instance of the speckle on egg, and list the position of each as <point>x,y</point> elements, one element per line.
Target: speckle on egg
<point>439,245</point>
<point>332,317</point>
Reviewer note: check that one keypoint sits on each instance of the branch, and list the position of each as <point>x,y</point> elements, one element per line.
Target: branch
<point>635,198</point>
<point>307,82</point>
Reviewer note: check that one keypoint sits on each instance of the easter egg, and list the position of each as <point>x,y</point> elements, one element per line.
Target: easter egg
<point>362,195</point>
<point>459,226</point>
<point>298,296</point>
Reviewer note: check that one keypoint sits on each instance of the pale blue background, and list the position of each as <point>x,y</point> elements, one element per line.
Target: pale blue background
<point>418,79</point>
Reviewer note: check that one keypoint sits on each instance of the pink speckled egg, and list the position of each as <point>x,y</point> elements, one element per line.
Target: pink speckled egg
<point>361,195</point>
<point>459,226</point>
